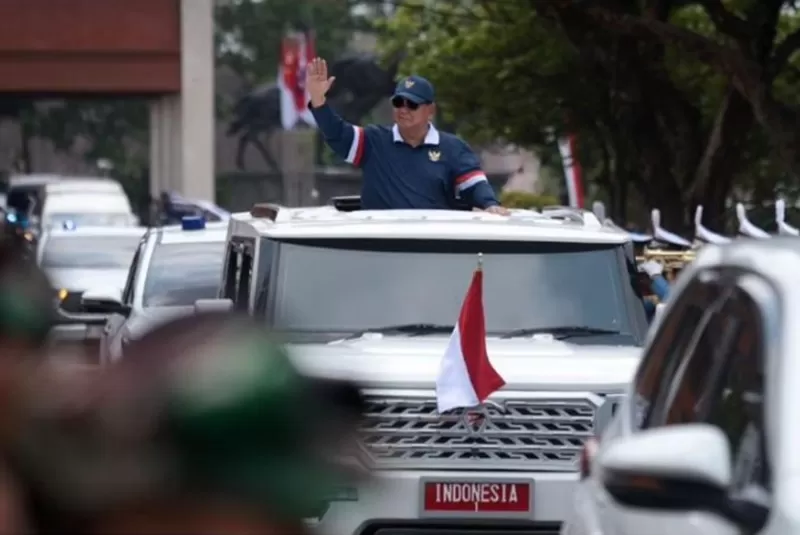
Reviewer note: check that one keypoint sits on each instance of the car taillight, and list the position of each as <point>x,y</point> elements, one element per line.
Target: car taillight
<point>590,448</point>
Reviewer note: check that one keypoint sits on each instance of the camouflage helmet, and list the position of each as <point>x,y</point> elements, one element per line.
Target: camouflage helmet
<point>206,405</point>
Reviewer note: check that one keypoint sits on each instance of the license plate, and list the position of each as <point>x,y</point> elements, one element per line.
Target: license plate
<point>492,498</point>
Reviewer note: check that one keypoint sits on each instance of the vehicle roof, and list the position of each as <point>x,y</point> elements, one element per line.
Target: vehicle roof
<point>87,185</point>
<point>557,225</point>
<point>16,181</point>
<point>98,232</point>
<point>214,232</point>
<point>88,203</point>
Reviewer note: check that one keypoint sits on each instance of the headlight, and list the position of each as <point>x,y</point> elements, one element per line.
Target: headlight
<point>62,294</point>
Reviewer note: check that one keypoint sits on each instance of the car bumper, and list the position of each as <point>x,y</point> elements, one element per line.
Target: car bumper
<point>392,503</point>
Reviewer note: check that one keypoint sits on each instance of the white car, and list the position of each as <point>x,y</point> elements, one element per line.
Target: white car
<point>373,296</point>
<point>174,267</point>
<point>704,442</point>
<point>77,259</point>
<point>84,202</point>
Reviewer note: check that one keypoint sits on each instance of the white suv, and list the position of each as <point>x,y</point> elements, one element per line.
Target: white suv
<point>705,442</point>
<point>373,296</point>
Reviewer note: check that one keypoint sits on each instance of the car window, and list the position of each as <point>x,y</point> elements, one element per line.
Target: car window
<point>181,273</point>
<point>736,395</point>
<point>716,377</point>
<point>662,358</point>
<point>352,285</point>
<point>230,277</point>
<point>683,399</point>
<point>89,252</point>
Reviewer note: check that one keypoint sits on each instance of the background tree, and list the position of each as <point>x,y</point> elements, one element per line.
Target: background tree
<point>656,123</point>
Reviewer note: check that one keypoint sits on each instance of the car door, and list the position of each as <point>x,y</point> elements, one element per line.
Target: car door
<point>682,332</point>
<point>111,344</point>
<point>717,378</point>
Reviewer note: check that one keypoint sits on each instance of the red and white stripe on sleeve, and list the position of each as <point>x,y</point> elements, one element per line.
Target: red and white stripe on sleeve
<point>356,152</point>
<point>467,180</point>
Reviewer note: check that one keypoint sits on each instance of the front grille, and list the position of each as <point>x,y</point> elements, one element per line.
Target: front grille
<point>72,303</point>
<point>540,431</point>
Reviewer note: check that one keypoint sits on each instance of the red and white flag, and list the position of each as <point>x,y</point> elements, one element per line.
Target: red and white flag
<point>467,377</point>
<point>573,173</point>
<point>297,51</point>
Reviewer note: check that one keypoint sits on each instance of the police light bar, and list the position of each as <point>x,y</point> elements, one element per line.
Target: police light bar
<point>193,222</point>
<point>347,203</point>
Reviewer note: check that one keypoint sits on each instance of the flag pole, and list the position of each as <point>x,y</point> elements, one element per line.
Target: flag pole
<point>480,261</point>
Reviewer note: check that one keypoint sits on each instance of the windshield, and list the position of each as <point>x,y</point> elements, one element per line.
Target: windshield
<point>89,220</point>
<point>181,273</point>
<point>89,252</point>
<point>396,282</point>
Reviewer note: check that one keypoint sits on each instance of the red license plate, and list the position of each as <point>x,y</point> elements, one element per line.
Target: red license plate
<point>478,497</point>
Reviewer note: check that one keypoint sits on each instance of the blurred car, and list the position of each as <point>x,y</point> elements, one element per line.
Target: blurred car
<point>704,442</point>
<point>172,269</point>
<point>85,202</point>
<point>76,259</point>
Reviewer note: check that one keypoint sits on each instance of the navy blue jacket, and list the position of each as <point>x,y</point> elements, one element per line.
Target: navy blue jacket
<point>434,175</point>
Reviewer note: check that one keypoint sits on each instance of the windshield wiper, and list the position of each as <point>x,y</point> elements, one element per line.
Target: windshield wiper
<point>560,333</point>
<point>412,329</point>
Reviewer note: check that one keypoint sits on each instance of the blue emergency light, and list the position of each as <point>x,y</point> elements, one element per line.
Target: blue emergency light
<point>193,222</point>
<point>68,225</point>
<point>11,217</point>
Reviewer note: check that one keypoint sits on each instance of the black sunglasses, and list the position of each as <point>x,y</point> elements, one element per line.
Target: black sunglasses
<point>400,102</point>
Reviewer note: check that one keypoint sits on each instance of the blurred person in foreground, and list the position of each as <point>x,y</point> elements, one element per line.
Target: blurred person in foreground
<point>205,429</point>
<point>26,316</point>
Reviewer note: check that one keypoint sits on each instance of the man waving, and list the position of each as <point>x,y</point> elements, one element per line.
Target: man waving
<point>411,165</point>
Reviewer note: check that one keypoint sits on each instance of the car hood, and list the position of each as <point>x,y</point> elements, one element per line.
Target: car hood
<point>79,280</point>
<point>524,363</point>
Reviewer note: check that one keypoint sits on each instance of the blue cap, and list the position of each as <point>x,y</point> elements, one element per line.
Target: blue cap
<point>193,222</point>
<point>416,89</point>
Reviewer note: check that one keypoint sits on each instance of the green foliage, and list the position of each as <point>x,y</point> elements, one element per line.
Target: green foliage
<point>249,32</point>
<point>643,109</point>
<point>522,199</point>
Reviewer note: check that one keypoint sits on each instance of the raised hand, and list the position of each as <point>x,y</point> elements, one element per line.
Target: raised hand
<point>317,81</point>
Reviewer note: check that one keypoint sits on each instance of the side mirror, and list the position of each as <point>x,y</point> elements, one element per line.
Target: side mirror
<point>212,305</point>
<point>680,468</point>
<point>103,300</point>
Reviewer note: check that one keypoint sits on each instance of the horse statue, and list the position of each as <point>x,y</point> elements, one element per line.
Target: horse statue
<point>361,83</point>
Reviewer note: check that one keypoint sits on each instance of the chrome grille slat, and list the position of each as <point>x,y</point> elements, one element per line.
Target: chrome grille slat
<point>545,432</point>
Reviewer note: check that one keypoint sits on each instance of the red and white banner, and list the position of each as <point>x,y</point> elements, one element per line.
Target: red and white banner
<point>297,51</point>
<point>467,377</point>
<point>573,173</point>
